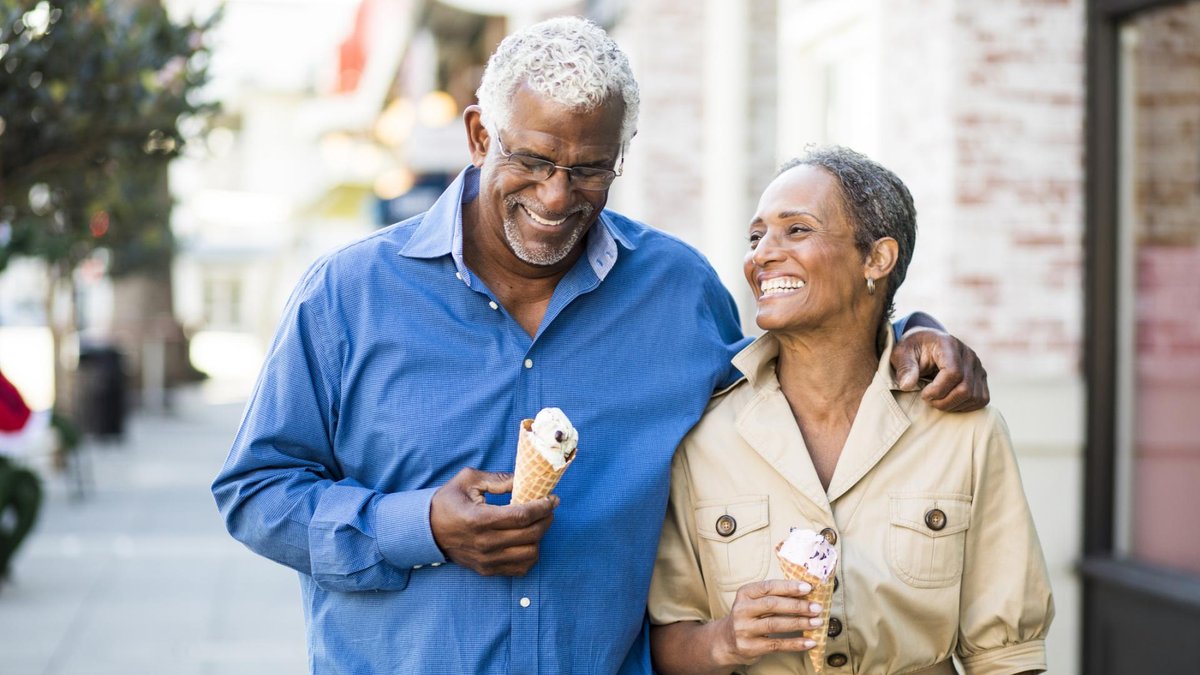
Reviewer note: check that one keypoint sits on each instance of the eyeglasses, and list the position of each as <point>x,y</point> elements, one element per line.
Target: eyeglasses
<point>582,177</point>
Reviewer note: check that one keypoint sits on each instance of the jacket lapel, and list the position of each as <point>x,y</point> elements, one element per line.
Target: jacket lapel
<point>767,426</point>
<point>877,426</point>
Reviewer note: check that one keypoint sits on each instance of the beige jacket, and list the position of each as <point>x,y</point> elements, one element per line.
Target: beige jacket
<point>909,596</point>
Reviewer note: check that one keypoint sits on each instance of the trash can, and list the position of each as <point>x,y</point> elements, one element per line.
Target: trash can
<point>100,387</point>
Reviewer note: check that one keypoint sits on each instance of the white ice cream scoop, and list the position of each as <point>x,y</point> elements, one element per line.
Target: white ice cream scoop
<point>554,437</point>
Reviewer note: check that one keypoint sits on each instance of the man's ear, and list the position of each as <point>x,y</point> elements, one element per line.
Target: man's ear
<point>882,258</point>
<point>477,134</point>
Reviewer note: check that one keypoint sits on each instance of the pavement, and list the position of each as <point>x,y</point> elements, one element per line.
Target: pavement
<point>137,575</point>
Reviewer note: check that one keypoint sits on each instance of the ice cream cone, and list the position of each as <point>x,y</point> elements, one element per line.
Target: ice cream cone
<point>534,477</point>
<point>823,593</point>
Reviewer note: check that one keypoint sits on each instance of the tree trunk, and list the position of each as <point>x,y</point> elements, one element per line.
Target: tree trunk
<point>60,318</point>
<point>147,333</point>
<point>144,327</point>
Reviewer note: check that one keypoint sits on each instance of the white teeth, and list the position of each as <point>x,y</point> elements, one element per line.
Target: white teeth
<point>541,220</point>
<point>781,285</point>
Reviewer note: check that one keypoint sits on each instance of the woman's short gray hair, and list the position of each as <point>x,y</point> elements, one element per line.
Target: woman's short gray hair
<point>569,61</point>
<point>875,200</point>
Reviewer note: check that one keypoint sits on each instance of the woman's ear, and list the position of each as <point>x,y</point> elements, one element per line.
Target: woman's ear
<point>477,134</point>
<point>881,258</point>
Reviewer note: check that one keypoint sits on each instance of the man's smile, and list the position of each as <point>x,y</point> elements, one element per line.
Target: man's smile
<point>544,221</point>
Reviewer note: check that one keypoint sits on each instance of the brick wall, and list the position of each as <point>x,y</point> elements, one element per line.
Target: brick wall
<point>663,171</point>
<point>916,142</point>
<point>981,114</point>
<point>664,39</point>
<point>764,111</point>
<point>984,122</point>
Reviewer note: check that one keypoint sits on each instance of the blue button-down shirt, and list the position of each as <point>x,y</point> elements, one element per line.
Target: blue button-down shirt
<point>395,366</point>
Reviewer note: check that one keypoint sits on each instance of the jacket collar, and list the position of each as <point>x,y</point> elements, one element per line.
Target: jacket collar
<point>766,423</point>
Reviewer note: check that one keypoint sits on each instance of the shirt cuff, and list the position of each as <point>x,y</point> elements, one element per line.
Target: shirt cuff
<point>1016,658</point>
<point>916,320</point>
<point>403,532</point>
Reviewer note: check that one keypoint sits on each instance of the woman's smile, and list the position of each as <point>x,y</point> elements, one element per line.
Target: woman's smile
<point>779,285</point>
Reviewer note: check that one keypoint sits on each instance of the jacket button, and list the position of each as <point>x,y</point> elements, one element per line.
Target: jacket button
<point>837,660</point>
<point>835,627</point>
<point>935,519</point>
<point>726,525</point>
<point>830,536</point>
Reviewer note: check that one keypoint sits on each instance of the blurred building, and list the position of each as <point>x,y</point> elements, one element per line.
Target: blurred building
<point>281,178</point>
<point>1052,147</point>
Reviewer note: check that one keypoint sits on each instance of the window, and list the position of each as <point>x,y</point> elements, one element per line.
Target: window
<point>829,75</point>
<point>222,302</point>
<point>1158,289</point>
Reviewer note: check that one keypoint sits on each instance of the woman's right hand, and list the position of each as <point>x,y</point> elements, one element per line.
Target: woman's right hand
<point>762,614</point>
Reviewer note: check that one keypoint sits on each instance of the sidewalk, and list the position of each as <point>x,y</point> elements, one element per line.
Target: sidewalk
<point>140,576</point>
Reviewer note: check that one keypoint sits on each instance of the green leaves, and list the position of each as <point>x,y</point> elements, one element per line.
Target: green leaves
<point>92,94</point>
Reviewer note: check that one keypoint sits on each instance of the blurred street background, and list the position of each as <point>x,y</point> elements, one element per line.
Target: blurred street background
<point>137,575</point>
<point>169,168</point>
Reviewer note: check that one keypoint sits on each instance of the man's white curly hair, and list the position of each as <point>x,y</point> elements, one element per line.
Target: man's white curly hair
<point>568,60</point>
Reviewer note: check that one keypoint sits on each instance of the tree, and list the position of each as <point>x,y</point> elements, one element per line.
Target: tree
<point>92,95</point>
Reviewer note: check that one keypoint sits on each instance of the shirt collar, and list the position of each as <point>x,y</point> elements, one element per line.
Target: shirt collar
<point>757,362</point>
<point>440,230</point>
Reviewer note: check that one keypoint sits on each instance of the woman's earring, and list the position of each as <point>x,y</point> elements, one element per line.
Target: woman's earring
<point>870,286</point>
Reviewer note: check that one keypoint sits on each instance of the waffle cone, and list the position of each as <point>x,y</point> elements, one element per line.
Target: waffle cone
<point>533,478</point>
<point>823,593</point>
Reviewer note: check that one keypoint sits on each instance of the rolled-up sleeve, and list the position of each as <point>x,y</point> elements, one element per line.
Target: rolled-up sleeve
<point>677,591</point>
<point>1006,605</point>
<point>280,490</point>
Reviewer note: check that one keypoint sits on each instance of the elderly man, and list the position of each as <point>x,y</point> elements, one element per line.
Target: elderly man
<point>374,447</point>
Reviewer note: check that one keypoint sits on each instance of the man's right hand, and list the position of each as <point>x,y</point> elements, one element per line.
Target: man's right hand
<point>492,540</point>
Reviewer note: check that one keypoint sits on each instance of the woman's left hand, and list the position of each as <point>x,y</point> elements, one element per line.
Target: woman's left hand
<point>959,382</point>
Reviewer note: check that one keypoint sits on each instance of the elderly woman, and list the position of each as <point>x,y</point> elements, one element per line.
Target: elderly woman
<point>938,553</point>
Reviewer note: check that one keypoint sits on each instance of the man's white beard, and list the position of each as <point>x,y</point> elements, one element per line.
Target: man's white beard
<point>542,256</point>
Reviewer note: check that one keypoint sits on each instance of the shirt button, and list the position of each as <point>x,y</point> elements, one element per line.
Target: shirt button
<point>417,567</point>
<point>835,627</point>
<point>435,564</point>
<point>830,536</point>
<point>726,525</point>
<point>528,363</point>
<point>458,275</point>
<point>524,602</point>
<point>935,519</point>
<point>836,583</point>
<point>493,305</point>
<point>837,660</point>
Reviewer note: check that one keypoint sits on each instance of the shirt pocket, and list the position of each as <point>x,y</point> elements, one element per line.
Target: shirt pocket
<point>734,532</point>
<point>926,538</point>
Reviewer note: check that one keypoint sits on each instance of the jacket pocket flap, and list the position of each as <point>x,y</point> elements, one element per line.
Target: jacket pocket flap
<point>727,521</point>
<point>920,513</point>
